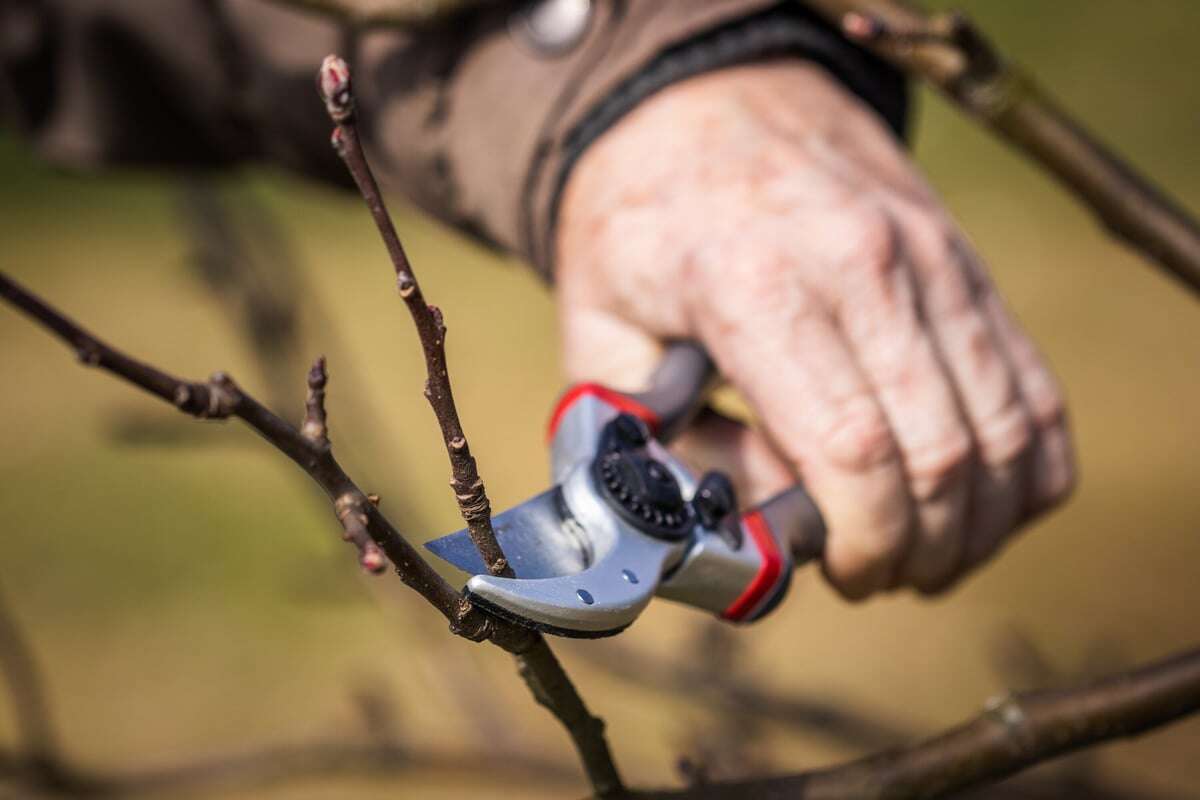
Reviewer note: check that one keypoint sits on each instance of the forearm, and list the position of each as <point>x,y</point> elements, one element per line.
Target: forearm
<point>474,122</point>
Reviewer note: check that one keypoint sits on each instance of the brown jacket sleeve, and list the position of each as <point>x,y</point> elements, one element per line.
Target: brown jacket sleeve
<point>474,117</point>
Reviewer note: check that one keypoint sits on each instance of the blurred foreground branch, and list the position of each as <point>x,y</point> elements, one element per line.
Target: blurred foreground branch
<point>949,52</point>
<point>38,765</point>
<point>1014,732</point>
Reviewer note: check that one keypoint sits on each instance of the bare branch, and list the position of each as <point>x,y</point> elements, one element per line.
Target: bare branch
<point>1014,732</point>
<point>219,398</point>
<point>335,88</point>
<point>949,52</point>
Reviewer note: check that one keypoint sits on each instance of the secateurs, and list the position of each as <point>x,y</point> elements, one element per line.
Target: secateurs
<point>625,520</point>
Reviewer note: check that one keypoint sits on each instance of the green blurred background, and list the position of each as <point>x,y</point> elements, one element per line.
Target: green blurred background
<point>186,594</point>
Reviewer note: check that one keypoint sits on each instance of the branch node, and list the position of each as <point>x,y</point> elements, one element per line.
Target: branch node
<point>1006,710</point>
<point>405,285</point>
<point>87,353</point>
<point>352,514</point>
<point>315,428</point>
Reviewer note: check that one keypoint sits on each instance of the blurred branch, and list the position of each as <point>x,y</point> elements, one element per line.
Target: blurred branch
<point>39,766</point>
<point>1014,732</point>
<point>949,52</point>
<point>260,294</point>
<point>275,765</point>
<point>697,679</point>
<point>536,662</point>
<point>38,742</point>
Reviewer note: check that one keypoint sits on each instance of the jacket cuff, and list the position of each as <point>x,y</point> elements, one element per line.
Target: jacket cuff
<point>491,146</point>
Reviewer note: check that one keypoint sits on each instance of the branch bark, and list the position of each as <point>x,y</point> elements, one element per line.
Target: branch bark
<point>335,88</point>
<point>536,662</point>
<point>949,52</point>
<point>1013,732</point>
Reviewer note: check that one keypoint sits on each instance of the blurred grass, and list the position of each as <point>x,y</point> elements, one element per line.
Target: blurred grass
<point>197,601</point>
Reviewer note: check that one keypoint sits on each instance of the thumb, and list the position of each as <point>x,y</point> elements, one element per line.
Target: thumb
<point>602,347</point>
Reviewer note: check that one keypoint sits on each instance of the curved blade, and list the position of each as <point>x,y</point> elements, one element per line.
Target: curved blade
<point>539,537</point>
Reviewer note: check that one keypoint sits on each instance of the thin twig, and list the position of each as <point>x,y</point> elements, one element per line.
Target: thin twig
<point>536,662</point>
<point>334,84</point>
<point>1014,732</point>
<point>220,398</point>
<point>952,54</point>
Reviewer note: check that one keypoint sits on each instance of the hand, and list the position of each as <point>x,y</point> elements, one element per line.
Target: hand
<point>766,212</point>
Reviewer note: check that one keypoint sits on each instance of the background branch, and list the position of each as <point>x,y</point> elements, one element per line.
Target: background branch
<point>1014,732</point>
<point>949,52</point>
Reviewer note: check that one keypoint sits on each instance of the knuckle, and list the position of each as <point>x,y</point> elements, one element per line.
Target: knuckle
<point>1005,435</point>
<point>1061,485</point>
<point>857,437</point>
<point>875,245</point>
<point>938,464</point>
<point>1047,406</point>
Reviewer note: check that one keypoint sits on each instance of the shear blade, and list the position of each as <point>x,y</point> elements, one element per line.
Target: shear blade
<point>538,536</point>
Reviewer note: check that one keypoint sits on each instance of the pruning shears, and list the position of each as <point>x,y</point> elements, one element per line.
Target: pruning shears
<point>626,521</point>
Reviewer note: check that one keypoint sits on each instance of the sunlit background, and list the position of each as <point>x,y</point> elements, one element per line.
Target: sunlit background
<point>187,597</point>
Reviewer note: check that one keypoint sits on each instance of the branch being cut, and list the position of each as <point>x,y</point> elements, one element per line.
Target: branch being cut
<point>949,52</point>
<point>536,662</point>
<point>334,84</point>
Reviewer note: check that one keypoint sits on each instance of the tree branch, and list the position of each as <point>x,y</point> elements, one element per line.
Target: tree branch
<point>220,398</point>
<point>334,85</point>
<point>536,662</point>
<point>950,53</point>
<point>1014,732</point>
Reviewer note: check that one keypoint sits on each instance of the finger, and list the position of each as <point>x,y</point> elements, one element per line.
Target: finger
<point>779,346</point>
<point>1053,459</point>
<point>882,317</point>
<point>983,374</point>
<point>599,346</point>
<point>716,442</point>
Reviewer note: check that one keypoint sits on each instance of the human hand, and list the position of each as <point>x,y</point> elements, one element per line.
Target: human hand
<point>769,214</point>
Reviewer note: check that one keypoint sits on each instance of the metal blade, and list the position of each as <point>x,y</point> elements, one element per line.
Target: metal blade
<point>539,537</point>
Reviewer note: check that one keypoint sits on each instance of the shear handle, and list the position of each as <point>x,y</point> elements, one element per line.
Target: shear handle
<point>678,389</point>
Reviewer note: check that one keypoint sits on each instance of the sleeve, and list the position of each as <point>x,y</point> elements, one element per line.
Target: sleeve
<point>477,115</point>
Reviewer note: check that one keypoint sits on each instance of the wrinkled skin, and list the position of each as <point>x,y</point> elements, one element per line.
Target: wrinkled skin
<point>768,213</point>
